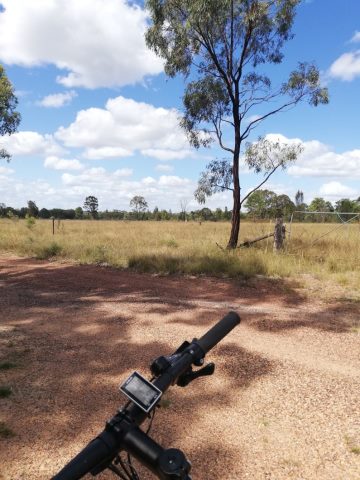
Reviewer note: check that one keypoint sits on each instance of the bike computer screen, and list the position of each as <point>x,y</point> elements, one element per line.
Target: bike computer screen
<point>141,391</point>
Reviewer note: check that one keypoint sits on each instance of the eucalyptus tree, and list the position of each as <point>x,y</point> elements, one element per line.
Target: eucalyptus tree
<point>91,205</point>
<point>9,117</point>
<point>139,205</point>
<point>222,48</point>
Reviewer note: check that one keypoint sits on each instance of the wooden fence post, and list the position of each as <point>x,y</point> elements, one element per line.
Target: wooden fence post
<point>279,235</point>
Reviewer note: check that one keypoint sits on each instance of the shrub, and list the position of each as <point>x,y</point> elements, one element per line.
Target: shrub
<point>5,432</point>
<point>30,222</point>
<point>48,251</point>
<point>5,392</point>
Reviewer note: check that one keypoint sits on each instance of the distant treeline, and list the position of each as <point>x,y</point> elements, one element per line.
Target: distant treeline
<point>261,205</point>
<point>79,213</point>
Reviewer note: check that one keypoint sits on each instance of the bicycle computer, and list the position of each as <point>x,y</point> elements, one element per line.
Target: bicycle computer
<point>140,391</point>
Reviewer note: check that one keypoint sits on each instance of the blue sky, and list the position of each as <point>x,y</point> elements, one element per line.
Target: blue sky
<point>100,118</point>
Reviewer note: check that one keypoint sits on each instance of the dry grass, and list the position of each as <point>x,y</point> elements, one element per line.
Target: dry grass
<point>169,247</point>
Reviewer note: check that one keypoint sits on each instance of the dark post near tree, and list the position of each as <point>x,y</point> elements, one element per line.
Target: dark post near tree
<point>225,44</point>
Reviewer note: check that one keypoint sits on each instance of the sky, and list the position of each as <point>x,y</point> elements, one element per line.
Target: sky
<point>99,116</point>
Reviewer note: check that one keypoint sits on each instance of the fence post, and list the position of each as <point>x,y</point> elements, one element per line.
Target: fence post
<point>279,235</point>
<point>53,225</point>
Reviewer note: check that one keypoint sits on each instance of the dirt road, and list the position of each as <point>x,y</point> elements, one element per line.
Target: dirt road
<point>283,404</point>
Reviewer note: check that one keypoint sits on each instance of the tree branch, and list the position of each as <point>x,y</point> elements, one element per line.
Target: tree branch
<point>261,184</point>
<point>218,134</point>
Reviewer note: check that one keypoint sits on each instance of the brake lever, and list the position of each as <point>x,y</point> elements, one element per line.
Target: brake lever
<point>191,375</point>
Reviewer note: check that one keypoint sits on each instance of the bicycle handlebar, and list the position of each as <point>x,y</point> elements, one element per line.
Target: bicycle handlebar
<point>122,432</point>
<point>218,331</point>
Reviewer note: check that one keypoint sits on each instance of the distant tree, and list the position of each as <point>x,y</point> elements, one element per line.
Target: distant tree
<point>32,209</point>
<point>91,205</point>
<point>266,204</point>
<point>346,205</point>
<point>318,204</point>
<point>9,118</point>
<point>44,213</point>
<point>156,214</point>
<point>259,204</point>
<point>224,45</point>
<point>139,205</point>
<point>183,207</point>
<point>218,214</point>
<point>299,198</point>
<point>282,206</point>
<point>2,210</point>
<point>79,213</point>
<point>206,214</point>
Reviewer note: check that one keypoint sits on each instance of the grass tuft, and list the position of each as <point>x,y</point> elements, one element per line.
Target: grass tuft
<point>5,431</point>
<point>7,365</point>
<point>5,392</point>
<point>48,251</point>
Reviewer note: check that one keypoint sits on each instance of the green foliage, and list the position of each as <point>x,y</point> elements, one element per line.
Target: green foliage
<point>48,251</point>
<point>91,205</point>
<point>267,156</point>
<point>223,44</point>
<point>44,213</point>
<point>9,117</point>
<point>79,213</point>
<point>33,210</point>
<point>266,204</point>
<point>139,205</point>
<point>217,177</point>
<point>347,205</point>
<point>30,222</point>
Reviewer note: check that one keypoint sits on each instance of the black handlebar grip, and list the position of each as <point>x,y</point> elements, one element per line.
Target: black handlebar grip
<point>218,331</point>
<point>90,457</point>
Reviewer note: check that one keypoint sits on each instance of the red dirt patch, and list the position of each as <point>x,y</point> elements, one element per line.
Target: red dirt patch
<point>283,403</point>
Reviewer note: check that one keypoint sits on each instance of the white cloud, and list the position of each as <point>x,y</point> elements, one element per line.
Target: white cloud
<point>16,193</point>
<point>57,100</point>
<point>337,190</point>
<point>6,171</point>
<point>123,172</point>
<point>356,37</point>
<point>318,160</point>
<point>167,154</point>
<point>173,181</point>
<point>98,44</point>
<point>57,163</point>
<point>125,126</point>
<point>106,152</point>
<point>30,143</point>
<point>346,67</point>
<point>161,167</point>
<point>115,191</point>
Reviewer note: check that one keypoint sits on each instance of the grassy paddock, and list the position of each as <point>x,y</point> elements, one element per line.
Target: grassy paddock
<point>170,247</point>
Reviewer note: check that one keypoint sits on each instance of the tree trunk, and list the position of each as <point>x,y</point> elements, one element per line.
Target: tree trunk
<point>235,218</point>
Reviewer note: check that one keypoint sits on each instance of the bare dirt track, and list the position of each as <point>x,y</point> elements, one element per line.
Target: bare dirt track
<point>283,403</point>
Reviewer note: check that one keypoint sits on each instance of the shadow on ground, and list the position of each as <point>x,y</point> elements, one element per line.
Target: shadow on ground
<point>72,353</point>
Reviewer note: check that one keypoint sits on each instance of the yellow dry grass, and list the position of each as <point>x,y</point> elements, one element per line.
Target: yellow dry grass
<point>169,247</point>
